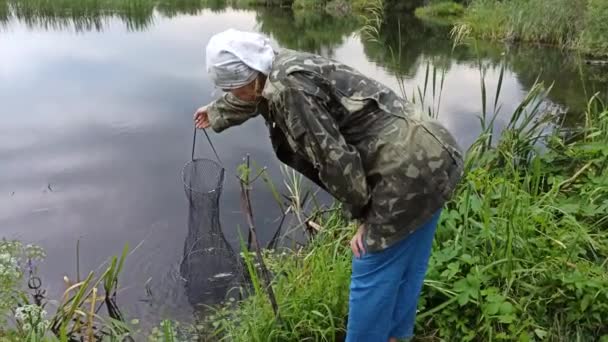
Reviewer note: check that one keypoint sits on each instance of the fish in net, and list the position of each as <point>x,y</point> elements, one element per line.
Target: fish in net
<point>210,267</point>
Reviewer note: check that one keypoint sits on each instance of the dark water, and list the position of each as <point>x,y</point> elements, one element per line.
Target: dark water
<point>96,103</point>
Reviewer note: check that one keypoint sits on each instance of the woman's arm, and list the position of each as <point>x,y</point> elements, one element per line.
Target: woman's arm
<point>229,111</point>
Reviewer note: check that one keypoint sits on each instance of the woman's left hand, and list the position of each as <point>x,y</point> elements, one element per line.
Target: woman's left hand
<point>356,243</point>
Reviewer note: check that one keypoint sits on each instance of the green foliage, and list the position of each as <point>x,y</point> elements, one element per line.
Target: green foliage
<point>14,261</point>
<point>567,23</point>
<point>594,38</point>
<point>4,11</point>
<point>76,312</point>
<point>550,21</point>
<point>392,6</point>
<point>363,6</point>
<point>444,9</point>
<point>311,286</point>
<point>522,248</point>
<point>309,4</point>
<point>31,319</point>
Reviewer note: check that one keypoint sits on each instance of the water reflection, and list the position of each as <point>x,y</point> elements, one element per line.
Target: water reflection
<point>312,31</point>
<point>404,41</point>
<point>92,15</point>
<point>4,11</point>
<point>405,44</point>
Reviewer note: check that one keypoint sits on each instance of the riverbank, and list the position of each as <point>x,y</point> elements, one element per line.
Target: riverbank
<point>521,252</point>
<point>579,25</point>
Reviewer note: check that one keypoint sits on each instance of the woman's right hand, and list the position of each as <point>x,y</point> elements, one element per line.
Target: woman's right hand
<point>201,118</point>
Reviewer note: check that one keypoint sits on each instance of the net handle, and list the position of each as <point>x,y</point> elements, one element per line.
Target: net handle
<point>210,144</point>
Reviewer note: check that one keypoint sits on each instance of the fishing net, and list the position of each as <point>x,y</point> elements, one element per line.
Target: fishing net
<point>209,266</point>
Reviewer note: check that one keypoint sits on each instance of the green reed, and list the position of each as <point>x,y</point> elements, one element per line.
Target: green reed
<point>576,24</point>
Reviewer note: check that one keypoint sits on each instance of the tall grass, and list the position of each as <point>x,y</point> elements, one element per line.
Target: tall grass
<point>594,38</point>
<point>567,23</point>
<point>311,286</point>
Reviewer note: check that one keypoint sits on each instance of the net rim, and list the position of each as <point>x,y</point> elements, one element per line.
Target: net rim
<point>220,167</point>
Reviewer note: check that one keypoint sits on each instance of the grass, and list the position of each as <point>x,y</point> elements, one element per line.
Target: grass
<point>594,39</point>
<point>442,9</point>
<point>311,286</point>
<point>573,24</point>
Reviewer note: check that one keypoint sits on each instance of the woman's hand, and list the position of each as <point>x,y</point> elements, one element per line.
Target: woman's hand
<point>201,118</point>
<point>356,244</point>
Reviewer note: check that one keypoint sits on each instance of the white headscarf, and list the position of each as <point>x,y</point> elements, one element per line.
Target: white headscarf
<point>234,58</point>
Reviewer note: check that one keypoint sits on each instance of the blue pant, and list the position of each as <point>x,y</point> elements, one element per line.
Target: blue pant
<point>385,287</point>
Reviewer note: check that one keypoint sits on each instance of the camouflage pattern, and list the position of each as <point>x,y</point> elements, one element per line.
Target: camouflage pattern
<point>391,167</point>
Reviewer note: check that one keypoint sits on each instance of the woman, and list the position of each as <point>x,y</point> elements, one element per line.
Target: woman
<point>359,141</point>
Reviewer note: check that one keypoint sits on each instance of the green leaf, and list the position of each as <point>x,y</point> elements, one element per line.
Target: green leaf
<point>585,302</point>
<point>525,337</point>
<point>467,258</point>
<point>315,312</point>
<point>492,308</point>
<point>463,298</point>
<point>461,285</point>
<point>507,319</point>
<point>506,308</point>
<point>502,336</point>
<point>570,208</point>
<point>540,333</point>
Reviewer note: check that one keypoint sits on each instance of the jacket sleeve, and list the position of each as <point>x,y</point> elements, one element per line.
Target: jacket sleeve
<point>317,135</point>
<point>229,111</point>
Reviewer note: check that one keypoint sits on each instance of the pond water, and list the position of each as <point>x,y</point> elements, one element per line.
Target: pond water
<point>96,104</point>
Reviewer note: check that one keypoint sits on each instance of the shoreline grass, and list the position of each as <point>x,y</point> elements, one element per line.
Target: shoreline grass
<point>571,24</point>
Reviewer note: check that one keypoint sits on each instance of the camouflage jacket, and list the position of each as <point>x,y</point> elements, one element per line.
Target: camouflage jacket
<point>354,137</point>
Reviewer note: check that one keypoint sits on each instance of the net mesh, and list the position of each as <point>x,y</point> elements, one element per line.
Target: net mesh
<point>203,178</point>
<point>209,266</point>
